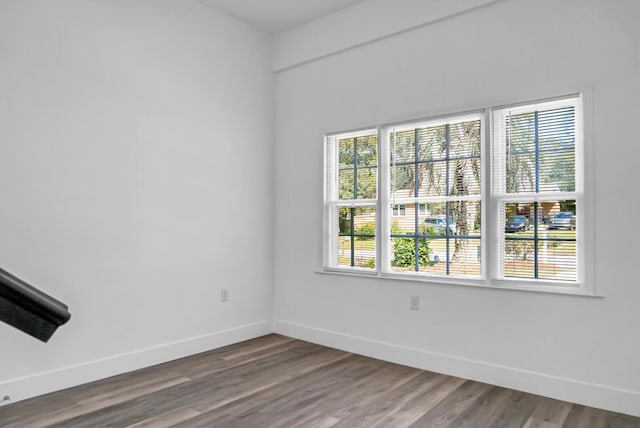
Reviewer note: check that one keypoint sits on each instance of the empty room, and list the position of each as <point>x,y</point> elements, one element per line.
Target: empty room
<point>319,213</point>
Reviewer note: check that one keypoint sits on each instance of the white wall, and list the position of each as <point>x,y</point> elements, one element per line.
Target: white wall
<point>359,24</point>
<point>575,348</point>
<point>135,180</point>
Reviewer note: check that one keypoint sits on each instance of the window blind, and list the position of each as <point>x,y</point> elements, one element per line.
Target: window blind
<point>351,196</point>
<point>534,185</point>
<point>435,172</point>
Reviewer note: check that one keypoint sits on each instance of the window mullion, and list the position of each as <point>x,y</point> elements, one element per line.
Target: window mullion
<point>383,202</point>
<point>447,193</point>
<point>489,241</point>
<point>416,185</point>
<point>355,167</point>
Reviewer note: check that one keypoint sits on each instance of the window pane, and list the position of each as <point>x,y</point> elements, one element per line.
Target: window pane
<point>367,182</point>
<point>557,171</point>
<point>557,260</point>
<point>367,147</point>
<point>436,263</point>
<point>518,259</point>
<point>465,217</point>
<point>346,153</point>
<point>557,138</point>
<point>357,173</point>
<point>402,146</point>
<point>403,254</point>
<point>520,152</point>
<point>519,217</point>
<point>540,151</point>
<point>432,178</point>
<point>433,220</point>
<point>437,243</point>
<point>402,181</point>
<point>432,143</point>
<point>345,225</point>
<point>466,257</point>
<point>464,177</point>
<point>346,182</point>
<point>521,172</point>
<point>540,240</point>
<point>521,133</point>
<point>464,139</point>
<point>356,237</point>
<point>403,224</point>
<point>556,128</point>
<point>357,252</point>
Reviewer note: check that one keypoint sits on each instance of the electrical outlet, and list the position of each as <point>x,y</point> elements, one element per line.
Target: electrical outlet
<point>414,303</point>
<point>224,295</point>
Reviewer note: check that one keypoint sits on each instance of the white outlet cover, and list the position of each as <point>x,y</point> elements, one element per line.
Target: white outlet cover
<point>414,303</point>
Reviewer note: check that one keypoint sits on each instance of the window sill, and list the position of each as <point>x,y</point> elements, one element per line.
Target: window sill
<point>509,285</point>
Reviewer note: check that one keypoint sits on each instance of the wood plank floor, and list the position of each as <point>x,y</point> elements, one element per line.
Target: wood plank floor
<point>275,381</point>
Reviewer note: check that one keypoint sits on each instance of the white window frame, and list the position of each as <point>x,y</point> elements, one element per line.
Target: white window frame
<point>582,195</point>
<point>385,200</point>
<point>490,227</point>
<point>331,201</point>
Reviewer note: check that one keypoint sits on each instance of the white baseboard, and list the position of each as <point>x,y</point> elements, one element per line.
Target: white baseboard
<point>575,391</point>
<point>45,382</point>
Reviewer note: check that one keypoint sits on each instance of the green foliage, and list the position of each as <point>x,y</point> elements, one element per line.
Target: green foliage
<point>397,230</point>
<point>359,154</point>
<point>429,229</point>
<point>366,229</point>
<point>365,187</point>
<point>569,205</point>
<point>346,215</point>
<point>516,249</point>
<point>404,249</point>
<point>404,252</point>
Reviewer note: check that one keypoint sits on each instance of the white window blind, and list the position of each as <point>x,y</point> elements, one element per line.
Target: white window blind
<point>350,199</point>
<point>536,189</point>
<point>435,172</point>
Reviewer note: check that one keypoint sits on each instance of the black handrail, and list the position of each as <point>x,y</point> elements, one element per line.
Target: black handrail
<point>29,309</point>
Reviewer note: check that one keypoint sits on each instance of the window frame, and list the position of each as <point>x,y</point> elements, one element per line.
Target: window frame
<point>490,233</point>
<point>330,242</point>
<point>501,198</point>
<point>386,200</point>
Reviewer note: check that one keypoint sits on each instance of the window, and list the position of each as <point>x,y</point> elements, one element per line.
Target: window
<point>398,210</point>
<point>435,166</point>
<point>409,200</point>
<point>536,190</point>
<point>351,193</point>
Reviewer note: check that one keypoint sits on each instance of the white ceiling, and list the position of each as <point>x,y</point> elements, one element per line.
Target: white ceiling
<point>274,16</point>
